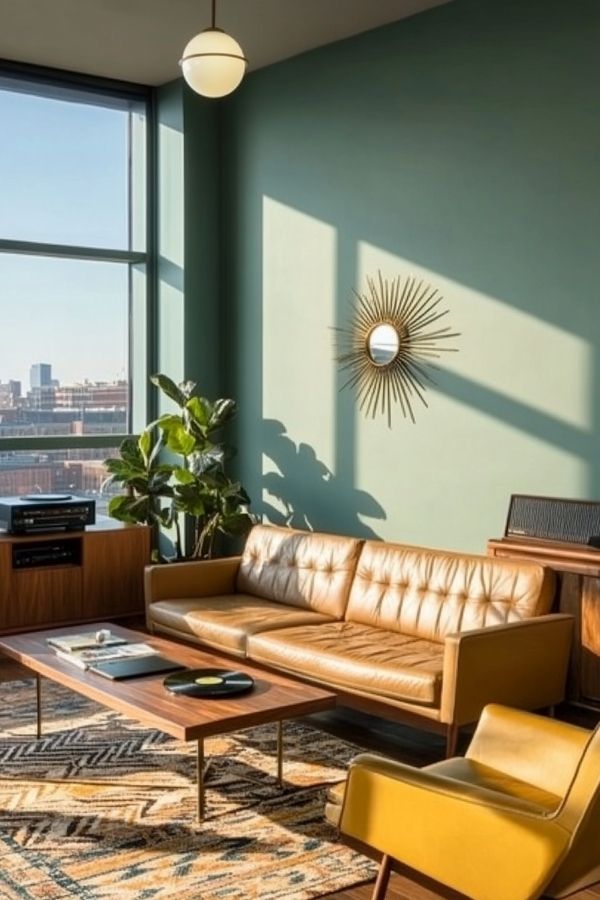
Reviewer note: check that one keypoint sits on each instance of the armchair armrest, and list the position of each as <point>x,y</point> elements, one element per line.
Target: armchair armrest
<point>201,578</point>
<point>522,664</point>
<point>474,840</point>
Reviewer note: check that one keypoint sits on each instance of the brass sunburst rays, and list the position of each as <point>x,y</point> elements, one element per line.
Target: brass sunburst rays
<point>391,342</point>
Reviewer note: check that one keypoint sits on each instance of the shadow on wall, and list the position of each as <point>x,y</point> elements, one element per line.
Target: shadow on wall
<point>303,492</point>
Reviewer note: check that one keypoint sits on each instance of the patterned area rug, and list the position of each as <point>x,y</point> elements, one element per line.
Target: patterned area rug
<point>101,807</point>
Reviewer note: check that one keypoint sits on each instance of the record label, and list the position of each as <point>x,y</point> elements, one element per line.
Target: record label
<point>209,683</point>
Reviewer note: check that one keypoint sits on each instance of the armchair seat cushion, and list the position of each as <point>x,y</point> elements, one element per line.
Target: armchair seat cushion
<point>333,803</point>
<point>356,657</point>
<point>227,620</point>
<point>482,776</point>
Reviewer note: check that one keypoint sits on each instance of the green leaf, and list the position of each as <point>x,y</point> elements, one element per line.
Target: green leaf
<point>168,387</point>
<point>119,469</point>
<point>179,440</point>
<point>223,411</point>
<point>130,452</point>
<point>120,508</point>
<point>145,444</point>
<point>236,524</point>
<point>200,410</point>
<point>183,476</point>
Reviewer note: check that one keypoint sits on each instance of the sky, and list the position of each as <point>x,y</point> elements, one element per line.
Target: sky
<point>63,177</point>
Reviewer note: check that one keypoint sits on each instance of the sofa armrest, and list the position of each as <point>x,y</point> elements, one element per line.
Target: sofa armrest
<point>454,832</point>
<point>200,578</point>
<point>522,664</point>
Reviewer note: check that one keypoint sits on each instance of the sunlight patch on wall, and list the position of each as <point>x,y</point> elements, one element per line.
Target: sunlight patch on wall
<point>170,191</point>
<point>503,348</point>
<point>171,255</point>
<point>299,284</point>
<point>511,414</point>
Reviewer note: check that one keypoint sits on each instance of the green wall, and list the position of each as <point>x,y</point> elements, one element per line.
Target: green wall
<point>461,145</point>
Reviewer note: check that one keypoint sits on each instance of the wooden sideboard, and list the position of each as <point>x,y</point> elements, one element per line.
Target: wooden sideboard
<point>577,567</point>
<point>78,576</point>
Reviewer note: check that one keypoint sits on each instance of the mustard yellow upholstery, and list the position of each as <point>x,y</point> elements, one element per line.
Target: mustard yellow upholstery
<point>425,635</point>
<point>518,817</point>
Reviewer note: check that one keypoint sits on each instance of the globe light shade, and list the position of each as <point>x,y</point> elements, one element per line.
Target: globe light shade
<point>213,63</point>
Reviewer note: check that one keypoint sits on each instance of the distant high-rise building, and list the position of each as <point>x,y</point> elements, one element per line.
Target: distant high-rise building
<point>40,375</point>
<point>10,393</point>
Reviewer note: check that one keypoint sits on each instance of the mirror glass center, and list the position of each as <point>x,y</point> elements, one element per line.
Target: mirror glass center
<point>383,344</point>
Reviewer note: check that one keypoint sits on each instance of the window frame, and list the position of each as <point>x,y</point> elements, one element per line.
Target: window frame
<point>139,385</point>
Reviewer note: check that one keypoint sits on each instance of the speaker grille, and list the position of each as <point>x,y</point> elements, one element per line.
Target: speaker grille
<point>554,519</point>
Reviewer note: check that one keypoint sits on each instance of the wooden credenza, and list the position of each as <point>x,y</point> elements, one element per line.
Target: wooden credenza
<point>577,567</point>
<point>78,576</point>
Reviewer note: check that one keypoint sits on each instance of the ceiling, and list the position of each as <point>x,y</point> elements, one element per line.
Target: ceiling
<point>142,40</point>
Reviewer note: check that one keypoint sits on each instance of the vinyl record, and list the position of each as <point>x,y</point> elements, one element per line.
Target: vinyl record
<point>46,498</point>
<point>209,683</point>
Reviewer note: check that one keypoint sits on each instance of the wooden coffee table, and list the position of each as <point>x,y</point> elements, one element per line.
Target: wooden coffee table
<point>273,698</point>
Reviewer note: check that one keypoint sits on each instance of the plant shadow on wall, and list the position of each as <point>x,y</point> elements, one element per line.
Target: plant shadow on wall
<point>306,493</point>
<point>191,482</point>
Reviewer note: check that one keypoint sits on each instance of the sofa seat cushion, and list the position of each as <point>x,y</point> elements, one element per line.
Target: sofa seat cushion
<point>356,657</point>
<point>226,621</point>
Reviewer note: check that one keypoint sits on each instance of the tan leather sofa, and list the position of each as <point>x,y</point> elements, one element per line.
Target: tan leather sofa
<point>426,636</point>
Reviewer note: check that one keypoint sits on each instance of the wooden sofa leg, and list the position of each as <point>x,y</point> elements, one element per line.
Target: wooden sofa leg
<point>383,877</point>
<point>451,740</point>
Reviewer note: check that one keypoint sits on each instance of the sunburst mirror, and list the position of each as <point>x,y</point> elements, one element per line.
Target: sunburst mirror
<point>391,342</point>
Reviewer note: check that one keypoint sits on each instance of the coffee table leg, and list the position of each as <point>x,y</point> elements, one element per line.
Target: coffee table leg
<point>200,779</point>
<point>38,697</point>
<point>280,751</point>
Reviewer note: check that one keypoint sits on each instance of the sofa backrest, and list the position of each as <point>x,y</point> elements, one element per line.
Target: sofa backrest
<point>300,568</point>
<point>432,593</point>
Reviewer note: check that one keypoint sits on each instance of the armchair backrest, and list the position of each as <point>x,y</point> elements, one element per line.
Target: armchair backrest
<point>580,815</point>
<point>432,593</point>
<point>535,749</point>
<point>561,759</point>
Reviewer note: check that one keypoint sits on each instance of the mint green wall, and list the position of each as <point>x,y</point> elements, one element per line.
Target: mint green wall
<point>461,145</point>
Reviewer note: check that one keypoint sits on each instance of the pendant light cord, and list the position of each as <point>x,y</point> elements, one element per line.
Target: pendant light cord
<point>214,13</point>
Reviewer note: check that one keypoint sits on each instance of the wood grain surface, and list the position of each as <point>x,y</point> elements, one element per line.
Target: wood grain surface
<point>274,697</point>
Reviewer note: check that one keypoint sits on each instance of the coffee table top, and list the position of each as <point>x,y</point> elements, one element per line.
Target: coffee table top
<point>273,697</point>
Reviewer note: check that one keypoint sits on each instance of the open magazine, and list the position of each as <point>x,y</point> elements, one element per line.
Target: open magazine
<point>86,658</point>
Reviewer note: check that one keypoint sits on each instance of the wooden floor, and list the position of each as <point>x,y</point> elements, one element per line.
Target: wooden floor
<point>403,889</point>
<point>420,748</point>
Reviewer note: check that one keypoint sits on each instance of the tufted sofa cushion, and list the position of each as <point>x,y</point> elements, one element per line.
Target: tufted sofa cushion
<point>356,657</point>
<point>299,568</point>
<point>433,593</point>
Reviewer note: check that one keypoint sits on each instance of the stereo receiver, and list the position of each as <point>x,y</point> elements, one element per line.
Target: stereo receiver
<point>554,519</point>
<point>37,513</point>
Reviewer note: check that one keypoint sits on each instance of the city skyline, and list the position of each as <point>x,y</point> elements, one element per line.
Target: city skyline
<point>26,384</point>
<point>61,192</point>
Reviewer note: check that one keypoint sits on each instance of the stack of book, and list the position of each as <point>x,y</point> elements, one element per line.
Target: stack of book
<point>85,651</point>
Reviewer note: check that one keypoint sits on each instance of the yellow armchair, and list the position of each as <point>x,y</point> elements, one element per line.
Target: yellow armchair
<point>517,817</point>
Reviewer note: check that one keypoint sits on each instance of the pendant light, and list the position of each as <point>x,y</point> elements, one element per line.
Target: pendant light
<point>213,63</point>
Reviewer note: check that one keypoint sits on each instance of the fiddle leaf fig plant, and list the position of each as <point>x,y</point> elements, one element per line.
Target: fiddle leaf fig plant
<point>196,486</point>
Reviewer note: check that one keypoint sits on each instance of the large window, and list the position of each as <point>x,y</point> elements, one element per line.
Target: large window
<point>74,294</point>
